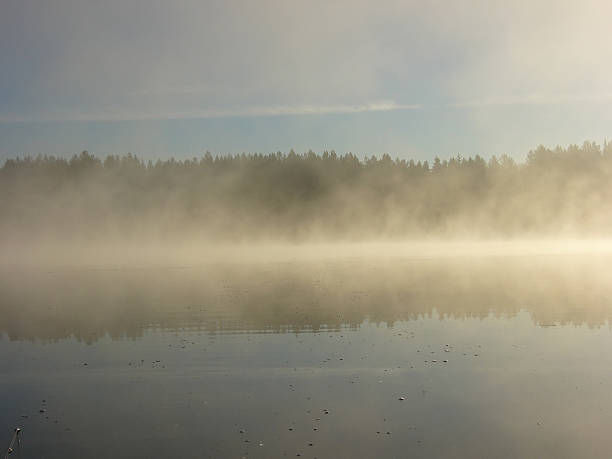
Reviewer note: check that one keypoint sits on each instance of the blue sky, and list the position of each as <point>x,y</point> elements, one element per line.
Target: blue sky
<point>413,79</point>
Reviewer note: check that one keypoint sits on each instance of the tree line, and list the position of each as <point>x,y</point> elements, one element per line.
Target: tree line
<point>309,195</point>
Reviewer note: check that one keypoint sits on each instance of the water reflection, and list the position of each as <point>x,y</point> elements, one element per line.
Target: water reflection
<point>491,357</point>
<point>302,296</point>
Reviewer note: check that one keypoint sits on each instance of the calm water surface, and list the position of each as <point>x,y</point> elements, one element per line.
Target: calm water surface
<point>359,358</point>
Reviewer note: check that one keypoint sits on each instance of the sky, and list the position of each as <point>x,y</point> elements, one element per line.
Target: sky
<point>412,79</point>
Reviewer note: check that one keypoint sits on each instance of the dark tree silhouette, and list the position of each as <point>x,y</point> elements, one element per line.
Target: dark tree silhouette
<point>555,191</point>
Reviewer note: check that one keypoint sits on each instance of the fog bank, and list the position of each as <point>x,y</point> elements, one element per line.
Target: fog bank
<point>87,201</point>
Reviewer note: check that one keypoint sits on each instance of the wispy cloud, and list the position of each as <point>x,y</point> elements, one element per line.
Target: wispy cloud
<point>255,111</point>
<point>277,63</point>
<point>533,99</point>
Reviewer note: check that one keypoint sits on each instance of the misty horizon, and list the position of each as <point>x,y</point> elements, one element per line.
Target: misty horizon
<point>561,192</point>
<point>333,229</point>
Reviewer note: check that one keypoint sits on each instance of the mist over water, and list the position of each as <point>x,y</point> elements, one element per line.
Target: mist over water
<point>432,288</point>
<point>489,354</point>
<point>307,295</point>
<point>304,305</point>
<point>300,198</point>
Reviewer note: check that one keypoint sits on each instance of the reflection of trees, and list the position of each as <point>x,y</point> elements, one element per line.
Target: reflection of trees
<point>299,297</point>
<point>301,195</point>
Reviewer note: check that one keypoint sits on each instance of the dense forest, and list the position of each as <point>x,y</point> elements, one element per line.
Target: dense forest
<point>561,191</point>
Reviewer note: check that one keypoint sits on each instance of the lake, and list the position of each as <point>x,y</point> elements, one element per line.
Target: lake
<point>352,357</point>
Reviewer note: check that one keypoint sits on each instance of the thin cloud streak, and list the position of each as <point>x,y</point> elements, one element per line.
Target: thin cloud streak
<point>381,106</point>
<point>533,99</point>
